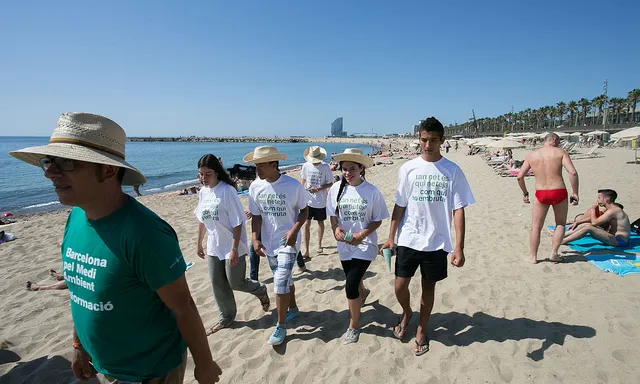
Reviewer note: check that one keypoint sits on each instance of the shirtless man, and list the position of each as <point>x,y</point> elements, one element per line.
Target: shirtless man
<point>547,163</point>
<point>620,231</point>
<point>586,217</point>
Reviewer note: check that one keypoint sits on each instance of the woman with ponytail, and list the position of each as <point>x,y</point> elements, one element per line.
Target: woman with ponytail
<point>356,209</point>
<point>222,217</point>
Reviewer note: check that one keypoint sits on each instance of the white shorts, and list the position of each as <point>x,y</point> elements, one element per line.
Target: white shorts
<point>282,267</point>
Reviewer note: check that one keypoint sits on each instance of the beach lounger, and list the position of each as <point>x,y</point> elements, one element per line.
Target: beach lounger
<point>586,155</point>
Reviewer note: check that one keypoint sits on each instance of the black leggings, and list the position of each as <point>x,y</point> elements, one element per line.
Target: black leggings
<point>354,269</point>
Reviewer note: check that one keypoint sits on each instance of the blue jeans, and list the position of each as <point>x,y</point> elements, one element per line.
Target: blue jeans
<point>254,261</point>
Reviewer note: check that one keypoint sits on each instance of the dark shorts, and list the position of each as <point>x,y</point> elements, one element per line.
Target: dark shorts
<point>318,214</point>
<point>433,265</point>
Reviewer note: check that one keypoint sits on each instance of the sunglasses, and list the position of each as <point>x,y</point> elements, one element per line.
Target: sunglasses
<point>64,165</point>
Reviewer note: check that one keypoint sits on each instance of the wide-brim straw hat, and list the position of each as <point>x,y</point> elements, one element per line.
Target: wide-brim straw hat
<point>85,137</point>
<point>264,154</point>
<point>354,155</point>
<point>315,154</point>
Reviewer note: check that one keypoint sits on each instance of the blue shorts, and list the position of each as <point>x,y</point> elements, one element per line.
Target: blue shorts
<point>282,267</point>
<point>621,242</point>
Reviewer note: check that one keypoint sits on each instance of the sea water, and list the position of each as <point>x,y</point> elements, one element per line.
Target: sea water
<point>168,166</point>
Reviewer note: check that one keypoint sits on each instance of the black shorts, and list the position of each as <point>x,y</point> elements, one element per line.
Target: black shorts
<point>433,265</point>
<point>318,214</point>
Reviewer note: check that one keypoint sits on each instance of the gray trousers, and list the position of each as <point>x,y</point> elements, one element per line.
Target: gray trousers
<point>225,279</point>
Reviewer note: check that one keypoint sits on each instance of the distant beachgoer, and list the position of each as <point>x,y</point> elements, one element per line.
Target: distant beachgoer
<point>60,285</point>
<point>357,209</point>
<point>613,216</point>
<point>133,314</point>
<point>432,192</point>
<point>136,189</point>
<point>317,179</point>
<point>221,216</point>
<point>547,163</point>
<point>278,205</point>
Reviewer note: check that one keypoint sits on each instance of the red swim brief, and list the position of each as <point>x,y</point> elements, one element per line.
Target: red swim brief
<point>551,196</point>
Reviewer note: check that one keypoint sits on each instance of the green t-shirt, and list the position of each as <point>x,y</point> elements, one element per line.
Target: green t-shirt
<point>113,267</point>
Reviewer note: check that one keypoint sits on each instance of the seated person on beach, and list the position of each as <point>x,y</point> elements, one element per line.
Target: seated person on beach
<point>619,230</point>
<point>193,190</point>
<point>61,284</point>
<point>595,209</point>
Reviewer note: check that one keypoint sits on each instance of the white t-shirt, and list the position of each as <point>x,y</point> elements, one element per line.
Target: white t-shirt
<point>430,192</point>
<point>359,206</point>
<point>279,203</point>
<point>316,176</point>
<point>220,210</point>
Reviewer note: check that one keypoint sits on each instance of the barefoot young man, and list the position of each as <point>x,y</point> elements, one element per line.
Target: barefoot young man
<point>317,179</point>
<point>432,191</point>
<point>613,216</point>
<point>278,205</point>
<point>130,303</point>
<point>547,163</point>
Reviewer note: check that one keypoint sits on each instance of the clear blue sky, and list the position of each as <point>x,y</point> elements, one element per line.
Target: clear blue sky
<point>274,67</point>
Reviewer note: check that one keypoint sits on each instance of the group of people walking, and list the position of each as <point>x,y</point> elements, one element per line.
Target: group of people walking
<point>133,314</point>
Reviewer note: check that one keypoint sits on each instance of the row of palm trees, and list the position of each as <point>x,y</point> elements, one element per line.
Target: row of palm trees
<point>583,112</point>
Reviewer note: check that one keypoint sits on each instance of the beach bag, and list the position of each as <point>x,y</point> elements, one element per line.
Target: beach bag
<point>243,172</point>
<point>635,226</point>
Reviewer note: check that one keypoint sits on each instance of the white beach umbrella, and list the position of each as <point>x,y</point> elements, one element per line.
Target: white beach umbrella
<point>562,134</point>
<point>627,133</point>
<point>482,142</point>
<point>576,134</point>
<point>596,133</point>
<point>543,135</point>
<point>505,144</point>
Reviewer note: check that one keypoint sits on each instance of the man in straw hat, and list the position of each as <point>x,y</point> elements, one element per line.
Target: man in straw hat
<point>278,205</point>
<point>317,179</point>
<point>431,192</point>
<point>130,303</point>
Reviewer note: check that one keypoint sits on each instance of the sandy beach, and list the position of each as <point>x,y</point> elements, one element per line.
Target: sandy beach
<point>499,319</point>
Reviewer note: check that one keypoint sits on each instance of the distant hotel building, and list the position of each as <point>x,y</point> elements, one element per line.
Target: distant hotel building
<point>416,127</point>
<point>336,128</point>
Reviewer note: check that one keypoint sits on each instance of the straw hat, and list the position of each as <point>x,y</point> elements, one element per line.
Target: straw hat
<point>264,154</point>
<point>315,154</point>
<point>85,137</point>
<point>354,155</point>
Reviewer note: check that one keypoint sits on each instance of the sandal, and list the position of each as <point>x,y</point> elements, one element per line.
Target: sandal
<point>400,330</point>
<point>216,328</point>
<point>420,351</point>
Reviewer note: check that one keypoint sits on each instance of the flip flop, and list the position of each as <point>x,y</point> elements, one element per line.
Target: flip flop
<point>216,328</point>
<point>402,329</point>
<point>421,351</point>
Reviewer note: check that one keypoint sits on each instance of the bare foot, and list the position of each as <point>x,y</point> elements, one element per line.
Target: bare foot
<point>533,259</point>
<point>554,258</point>
<point>32,286</point>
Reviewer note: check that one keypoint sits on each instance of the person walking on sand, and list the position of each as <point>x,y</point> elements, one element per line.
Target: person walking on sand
<point>131,307</point>
<point>317,179</point>
<point>432,191</point>
<point>356,209</point>
<point>278,205</point>
<point>221,216</point>
<point>547,163</point>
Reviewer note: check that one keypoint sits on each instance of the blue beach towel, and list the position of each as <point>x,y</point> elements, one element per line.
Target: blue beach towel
<point>589,244</point>
<point>619,264</point>
<point>244,193</point>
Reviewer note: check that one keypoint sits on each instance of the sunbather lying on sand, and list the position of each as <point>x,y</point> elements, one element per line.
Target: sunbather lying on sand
<point>61,284</point>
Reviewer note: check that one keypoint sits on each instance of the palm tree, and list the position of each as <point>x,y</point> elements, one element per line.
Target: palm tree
<point>585,108</point>
<point>616,104</point>
<point>599,102</point>
<point>561,110</point>
<point>572,107</point>
<point>633,97</point>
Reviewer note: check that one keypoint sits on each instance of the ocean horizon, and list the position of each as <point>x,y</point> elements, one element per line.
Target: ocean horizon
<point>168,166</point>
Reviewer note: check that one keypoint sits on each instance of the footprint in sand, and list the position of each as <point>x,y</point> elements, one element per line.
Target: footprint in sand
<point>468,289</point>
<point>628,329</point>
<point>446,301</point>
<point>626,356</point>
<point>506,374</point>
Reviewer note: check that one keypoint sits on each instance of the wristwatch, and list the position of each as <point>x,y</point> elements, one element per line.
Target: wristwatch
<point>525,194</point>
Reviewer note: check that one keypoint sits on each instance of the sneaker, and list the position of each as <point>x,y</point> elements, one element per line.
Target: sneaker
<point>278,335</point>
<point>293,313</point>
<point>351,336</point>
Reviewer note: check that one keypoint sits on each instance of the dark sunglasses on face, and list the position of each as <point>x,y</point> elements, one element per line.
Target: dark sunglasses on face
<point>64,165</point>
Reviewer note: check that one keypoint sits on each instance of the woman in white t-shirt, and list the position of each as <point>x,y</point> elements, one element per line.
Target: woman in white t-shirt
<point>222,217</point>
<point>357,209</point>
